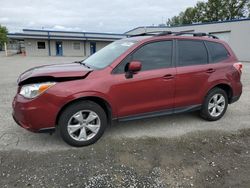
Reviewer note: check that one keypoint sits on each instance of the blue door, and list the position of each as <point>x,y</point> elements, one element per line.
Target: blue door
<point>92,48</point>
<point>59,50</point>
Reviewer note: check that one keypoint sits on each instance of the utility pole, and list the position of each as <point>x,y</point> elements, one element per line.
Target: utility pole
<point>5,49</point>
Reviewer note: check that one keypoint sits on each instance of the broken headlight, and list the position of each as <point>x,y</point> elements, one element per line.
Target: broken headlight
<point>33,90</point>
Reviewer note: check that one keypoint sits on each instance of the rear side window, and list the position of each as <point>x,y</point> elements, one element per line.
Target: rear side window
<point>155,55</point>
<point>217,52</point>
<point>192,53</point>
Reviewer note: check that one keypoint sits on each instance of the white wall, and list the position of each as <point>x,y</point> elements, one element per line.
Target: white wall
<point>238,34</point>
<point>68,49</point>
<point>67,45</point>
<point>32,49</point>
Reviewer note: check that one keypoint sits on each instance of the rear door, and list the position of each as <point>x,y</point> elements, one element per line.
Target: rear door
<point>193,72</point>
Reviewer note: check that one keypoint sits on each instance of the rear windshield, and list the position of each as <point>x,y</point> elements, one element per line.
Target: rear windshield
<point>108,54</point>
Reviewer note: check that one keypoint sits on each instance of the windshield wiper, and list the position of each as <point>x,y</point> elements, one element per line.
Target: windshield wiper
<point>80,62</point>
<point>84,64</point>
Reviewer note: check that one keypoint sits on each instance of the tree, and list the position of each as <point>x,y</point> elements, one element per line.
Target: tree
<point>236,9</point>
<point>248,7</point>
<point>189,15</point>
<point>200,15</point>
<point>3,35</point>
<point>174,21</point>
<point>212,10</point>
<point>215,10</point>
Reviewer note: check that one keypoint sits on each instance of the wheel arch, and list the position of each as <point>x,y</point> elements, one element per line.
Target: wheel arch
<point>102,102</point>
<point>226,87</point>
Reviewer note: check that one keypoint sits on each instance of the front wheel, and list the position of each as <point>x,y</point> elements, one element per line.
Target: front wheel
<point>82,123</point>
<point>214,105</point>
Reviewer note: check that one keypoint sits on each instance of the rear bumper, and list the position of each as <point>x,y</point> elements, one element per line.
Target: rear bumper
<point>237,91</point>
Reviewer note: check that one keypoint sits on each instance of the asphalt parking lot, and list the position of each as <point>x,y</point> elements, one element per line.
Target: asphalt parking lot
<point>176,151</point>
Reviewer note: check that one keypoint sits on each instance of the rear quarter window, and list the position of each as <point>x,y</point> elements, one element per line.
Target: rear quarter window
<point>217,52</point>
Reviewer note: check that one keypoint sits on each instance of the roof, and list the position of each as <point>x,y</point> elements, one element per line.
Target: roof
<point>74,32</point>
<point>64,35</point>
<point>187,25</point>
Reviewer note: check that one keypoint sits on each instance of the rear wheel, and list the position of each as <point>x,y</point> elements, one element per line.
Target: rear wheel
<point>215,105</point>
<point>82,123</point>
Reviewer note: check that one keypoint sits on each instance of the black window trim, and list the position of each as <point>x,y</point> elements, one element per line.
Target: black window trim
<point>143,44</point>
<point>209,53</point>
<point>44,45</point>
<point>177,54</point>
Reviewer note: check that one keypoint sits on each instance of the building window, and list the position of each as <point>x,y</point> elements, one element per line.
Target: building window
<point>41,45</point>
<point>76,46</point>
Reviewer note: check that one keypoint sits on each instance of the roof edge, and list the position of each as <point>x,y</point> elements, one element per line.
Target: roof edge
<point>186,25</point>
<point>60,31</point>
<point>59,36</point>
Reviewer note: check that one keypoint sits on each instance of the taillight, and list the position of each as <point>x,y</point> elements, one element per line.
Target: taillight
<point>238,67</point>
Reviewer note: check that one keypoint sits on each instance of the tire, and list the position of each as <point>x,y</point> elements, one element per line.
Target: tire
<point>82,123</point>
<point>213,108</point>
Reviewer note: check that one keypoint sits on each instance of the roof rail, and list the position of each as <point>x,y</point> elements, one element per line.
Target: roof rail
<point>150,33</point>
<point>195,34</point>
<point>163,33</point>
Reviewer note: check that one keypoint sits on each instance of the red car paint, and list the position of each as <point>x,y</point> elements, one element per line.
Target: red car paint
<point>183,87</point>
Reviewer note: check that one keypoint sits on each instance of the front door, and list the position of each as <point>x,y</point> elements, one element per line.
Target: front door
<point>151,89</point>
<point>59,49</point>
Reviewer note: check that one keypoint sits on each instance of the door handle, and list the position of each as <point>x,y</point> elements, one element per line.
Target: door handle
<point>210,70</point>
<point>168,77</point>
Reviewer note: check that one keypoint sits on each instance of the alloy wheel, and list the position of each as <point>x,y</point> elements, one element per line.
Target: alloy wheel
<point>84,125</point>
<point>216,105</point>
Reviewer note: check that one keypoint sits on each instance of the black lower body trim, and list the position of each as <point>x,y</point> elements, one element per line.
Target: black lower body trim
<point>234,99</point>
<point>161,113</point>
<point>17,122</point>
<point>47,130</point>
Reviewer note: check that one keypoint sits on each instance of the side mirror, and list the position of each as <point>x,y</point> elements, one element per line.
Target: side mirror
<point>132,68</point>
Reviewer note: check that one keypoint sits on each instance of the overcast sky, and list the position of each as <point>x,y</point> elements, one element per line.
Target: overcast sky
<point>116,16</point>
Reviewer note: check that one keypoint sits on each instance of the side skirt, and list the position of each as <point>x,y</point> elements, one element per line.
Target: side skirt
<point>161,113</point>
<point>47,130</point>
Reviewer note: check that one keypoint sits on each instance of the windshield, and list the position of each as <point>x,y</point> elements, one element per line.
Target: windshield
<point>108,54</point>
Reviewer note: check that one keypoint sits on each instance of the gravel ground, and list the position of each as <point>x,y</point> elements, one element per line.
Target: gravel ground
<point>176,151</point>
<point>211,159</point>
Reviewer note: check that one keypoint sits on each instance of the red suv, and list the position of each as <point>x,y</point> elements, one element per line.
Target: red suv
<point>136,77</point>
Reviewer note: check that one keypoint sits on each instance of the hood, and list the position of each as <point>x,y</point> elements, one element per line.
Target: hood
<point>57,72</point>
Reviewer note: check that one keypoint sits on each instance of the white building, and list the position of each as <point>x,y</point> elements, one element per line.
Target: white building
<point>235,32</point>
<point>62,43</point>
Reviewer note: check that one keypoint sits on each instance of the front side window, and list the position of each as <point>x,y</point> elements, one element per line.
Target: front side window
<point>217,52</point>
<point>192,53</point>
<point>41,45</point>
<point>155,55</point>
